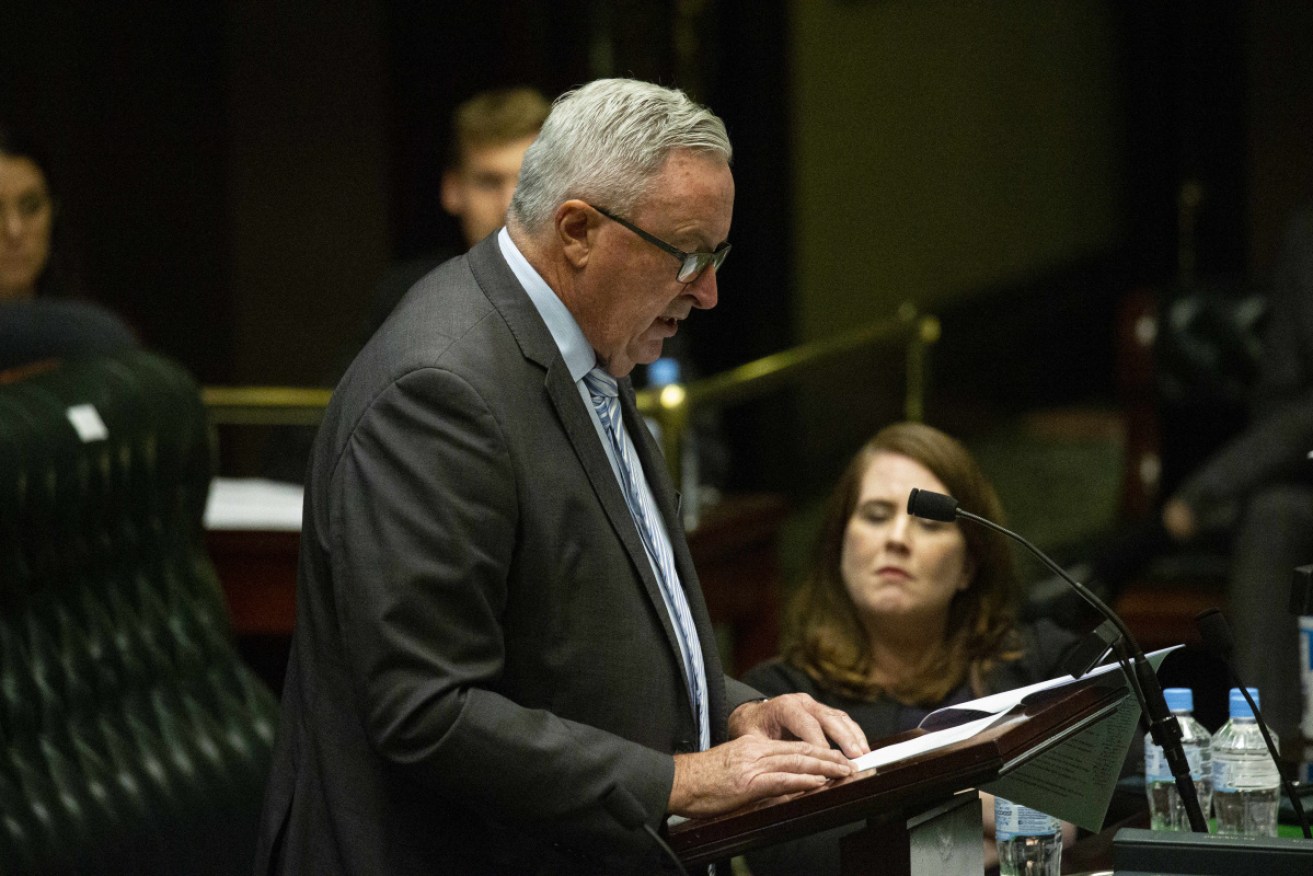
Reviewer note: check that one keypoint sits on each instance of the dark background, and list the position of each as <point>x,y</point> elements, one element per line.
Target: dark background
<point>174,158</point>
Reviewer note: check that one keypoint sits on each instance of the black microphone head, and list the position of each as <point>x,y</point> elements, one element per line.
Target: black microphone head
<point>1216,632</point>
<point>1301,591</point>
<point>931,506</point>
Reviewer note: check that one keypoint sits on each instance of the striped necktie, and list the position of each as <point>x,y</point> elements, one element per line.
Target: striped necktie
<point>605,394</point>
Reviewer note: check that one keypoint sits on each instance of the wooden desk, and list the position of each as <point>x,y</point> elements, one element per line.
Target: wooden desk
<point>257,569</point>
<point>734,549</point>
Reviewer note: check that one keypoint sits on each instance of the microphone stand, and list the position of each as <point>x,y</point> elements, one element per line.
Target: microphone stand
<point>1140,676</point>
<point>1217,636</point>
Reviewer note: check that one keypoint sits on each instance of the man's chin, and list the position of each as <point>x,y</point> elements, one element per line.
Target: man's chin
<point>643,351</point>
<point>649,352</point>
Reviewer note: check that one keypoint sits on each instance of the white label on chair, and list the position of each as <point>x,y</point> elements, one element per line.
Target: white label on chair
<point>86,420</point>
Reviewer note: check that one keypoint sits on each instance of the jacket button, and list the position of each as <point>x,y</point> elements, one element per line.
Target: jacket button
<point>683,746</point>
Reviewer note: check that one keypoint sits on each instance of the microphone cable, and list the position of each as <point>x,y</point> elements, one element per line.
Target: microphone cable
<point>1216,633</point>
<point>1140,676</point>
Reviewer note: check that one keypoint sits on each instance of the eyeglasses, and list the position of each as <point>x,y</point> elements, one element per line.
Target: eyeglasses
<point>691,264</point>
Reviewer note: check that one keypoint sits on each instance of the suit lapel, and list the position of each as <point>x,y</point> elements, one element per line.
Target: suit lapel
<point>583,435</point>
<point>654,468</point>
<point>536,343</point>
<point>658,478</point>
<point>588,447</point>
<point>504,292</point>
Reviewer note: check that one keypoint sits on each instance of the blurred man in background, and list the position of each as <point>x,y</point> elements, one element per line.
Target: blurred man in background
<point>489,135</point>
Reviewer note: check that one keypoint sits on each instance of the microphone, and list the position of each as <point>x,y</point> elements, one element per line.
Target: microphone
<point>1301,591</point>
<point>1140,677</point>
<point>1216,633</point>
<point>932,506</point>
<point>628,812</point>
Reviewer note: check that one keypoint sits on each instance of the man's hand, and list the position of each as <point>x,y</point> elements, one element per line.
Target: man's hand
<point>749,769</point>
<point>798,716</point>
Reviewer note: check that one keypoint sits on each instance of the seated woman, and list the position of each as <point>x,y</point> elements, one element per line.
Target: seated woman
<point>41,317</point>
<point>900,616</point>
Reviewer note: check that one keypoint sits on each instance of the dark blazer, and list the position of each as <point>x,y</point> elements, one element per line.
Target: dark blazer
<point>482,655</point>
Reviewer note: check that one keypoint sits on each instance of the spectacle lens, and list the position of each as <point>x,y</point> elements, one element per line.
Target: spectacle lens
<point>691,264</point>
<point>697,262</point>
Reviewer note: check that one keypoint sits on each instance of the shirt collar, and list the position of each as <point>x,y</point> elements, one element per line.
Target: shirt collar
<point>575,350</point>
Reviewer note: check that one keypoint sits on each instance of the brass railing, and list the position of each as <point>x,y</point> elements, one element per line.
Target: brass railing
<point>265,405</point>
<point>671,406</point>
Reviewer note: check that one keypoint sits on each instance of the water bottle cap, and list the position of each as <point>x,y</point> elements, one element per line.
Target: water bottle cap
<point>1179,699</point>
<point>1239,707</point>
<point>663,372</point>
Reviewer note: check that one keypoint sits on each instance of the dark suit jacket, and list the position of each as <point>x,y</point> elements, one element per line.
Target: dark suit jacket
<point>481,656</point>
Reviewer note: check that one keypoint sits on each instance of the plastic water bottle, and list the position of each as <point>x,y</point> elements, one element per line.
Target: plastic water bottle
<point>1245,778</point>
<point>1029,842</point>
<point>1306,674</point>
<point>1166,812</point>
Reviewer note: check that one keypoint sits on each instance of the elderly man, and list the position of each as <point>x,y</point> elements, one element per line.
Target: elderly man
<point>502,659</point>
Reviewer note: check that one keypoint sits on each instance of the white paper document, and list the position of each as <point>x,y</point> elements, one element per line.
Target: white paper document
<point>926,742</point>
<point>1072,780</point>
<point>253,503</point>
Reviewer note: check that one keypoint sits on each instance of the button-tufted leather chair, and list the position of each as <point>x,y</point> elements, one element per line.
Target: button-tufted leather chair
<point>132,739</point>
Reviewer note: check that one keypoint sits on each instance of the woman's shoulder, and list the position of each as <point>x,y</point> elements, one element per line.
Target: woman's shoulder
<point>775,677</point>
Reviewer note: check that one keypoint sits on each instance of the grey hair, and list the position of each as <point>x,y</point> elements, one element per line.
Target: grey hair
<point>605,141</point>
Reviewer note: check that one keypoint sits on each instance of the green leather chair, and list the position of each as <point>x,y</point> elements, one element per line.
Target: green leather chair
<point>134,739</point>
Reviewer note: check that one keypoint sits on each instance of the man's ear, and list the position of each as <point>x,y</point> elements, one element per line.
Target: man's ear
<point>453,193</point>
<point>576,229</point>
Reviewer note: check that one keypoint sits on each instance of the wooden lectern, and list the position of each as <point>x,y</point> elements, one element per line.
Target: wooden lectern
<point>922,814</point>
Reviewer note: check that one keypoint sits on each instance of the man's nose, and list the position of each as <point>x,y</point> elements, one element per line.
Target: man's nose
<point>704,289</point>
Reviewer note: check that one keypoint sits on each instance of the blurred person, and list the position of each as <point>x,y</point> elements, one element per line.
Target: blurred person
<point>1260,486</point>
<point>900,616</point>
<point>489,135</point>
<point>40,314</point>
<point>502,658</point>
<point>1251,500</point>
<point>487,141</point>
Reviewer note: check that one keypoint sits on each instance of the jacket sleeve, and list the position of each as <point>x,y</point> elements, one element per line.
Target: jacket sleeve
<point>737,693</point>
<point>422,532</point>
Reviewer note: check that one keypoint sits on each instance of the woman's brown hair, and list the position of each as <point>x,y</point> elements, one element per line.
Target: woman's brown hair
<point>824,636</point>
